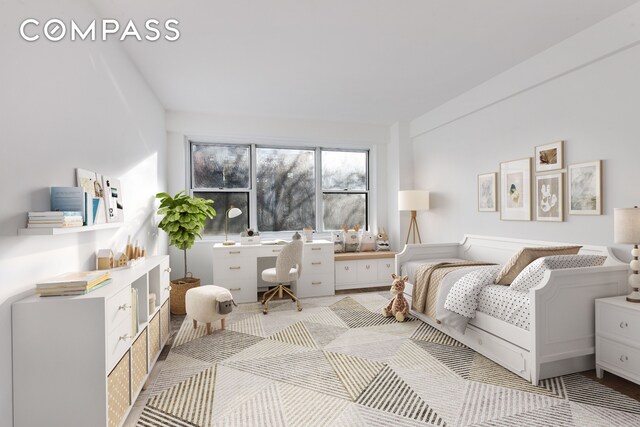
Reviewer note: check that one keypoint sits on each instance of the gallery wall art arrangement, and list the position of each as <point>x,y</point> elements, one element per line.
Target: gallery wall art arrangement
<point>521,196</point>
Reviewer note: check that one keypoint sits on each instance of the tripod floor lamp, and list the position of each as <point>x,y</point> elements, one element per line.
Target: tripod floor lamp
<point>414,201</point>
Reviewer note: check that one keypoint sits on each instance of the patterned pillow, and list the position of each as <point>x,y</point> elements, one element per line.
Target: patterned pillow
<point>533,274</point>
<point>526,256</point>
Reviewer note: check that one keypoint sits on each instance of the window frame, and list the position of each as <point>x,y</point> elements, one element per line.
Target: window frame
<point>253,145</point>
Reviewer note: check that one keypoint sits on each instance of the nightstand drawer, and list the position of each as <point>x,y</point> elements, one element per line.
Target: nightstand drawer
<point>619,355</point>
<point>618,321</point>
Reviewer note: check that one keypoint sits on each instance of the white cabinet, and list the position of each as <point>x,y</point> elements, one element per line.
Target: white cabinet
<point>78,359</point>
<point>237,268</point>
<point>618,338</point>
<point>363,269</point>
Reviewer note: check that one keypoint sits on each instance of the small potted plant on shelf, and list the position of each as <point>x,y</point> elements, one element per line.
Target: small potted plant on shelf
<point>184,219</point>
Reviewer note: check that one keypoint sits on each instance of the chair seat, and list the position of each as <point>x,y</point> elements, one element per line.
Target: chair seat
<point>269,275</point>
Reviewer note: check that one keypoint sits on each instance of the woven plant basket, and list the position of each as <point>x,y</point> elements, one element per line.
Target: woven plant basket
<point>179,288</point>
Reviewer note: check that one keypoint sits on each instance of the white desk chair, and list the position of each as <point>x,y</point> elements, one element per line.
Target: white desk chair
<point>288,269</point>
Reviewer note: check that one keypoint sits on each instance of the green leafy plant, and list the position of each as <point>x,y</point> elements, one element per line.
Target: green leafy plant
<point>184,219</point>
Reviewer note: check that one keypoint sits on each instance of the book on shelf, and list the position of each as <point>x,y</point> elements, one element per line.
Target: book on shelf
<point>67,199</point>
<point>70,291</point>
<point>79,279</point>
<point>53,214</point>
<point>54,219</point>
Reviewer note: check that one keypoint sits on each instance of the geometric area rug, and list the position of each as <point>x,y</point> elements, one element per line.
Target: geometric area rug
<point>339,362</point>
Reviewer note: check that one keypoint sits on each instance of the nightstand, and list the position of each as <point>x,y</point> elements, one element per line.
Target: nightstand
<point>618,338</point>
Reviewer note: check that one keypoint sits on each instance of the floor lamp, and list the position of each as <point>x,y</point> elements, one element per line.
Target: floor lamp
<point>414,201</point>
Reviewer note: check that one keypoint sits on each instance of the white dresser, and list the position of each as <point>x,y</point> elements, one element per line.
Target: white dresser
<point>239,269</point>
<point>77,361</point>
<point>618,338</point>
<point>364,269</point>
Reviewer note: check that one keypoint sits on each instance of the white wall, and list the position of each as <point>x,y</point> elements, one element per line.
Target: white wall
<point>181,126</point>
<point>585,91</point>
<point>66,105</point>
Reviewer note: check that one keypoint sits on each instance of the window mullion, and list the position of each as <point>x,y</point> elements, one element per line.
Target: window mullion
<point>253,195</point>
<point>319,207</point>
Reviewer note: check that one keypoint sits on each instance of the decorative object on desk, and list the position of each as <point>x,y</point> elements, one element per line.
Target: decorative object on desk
<point>585,188</point>
<point>515,190</point>
<point>550,197</point>
<point>308,234</point>
<point>104,259</point>
<point>413,200</point>
<point>367,242</point>
<point>338,241</point>
<point>549,157</point>
<point>250,237</point>
<point>487,192</point>
<point>351,238</point>
<point>627,231</point>
<point>398,307</point>
<point>184,219</point>
<point>232,212</point>
<point>382,241</point>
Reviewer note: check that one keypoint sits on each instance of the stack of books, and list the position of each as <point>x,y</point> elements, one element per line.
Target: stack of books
<point>73,283</point>
<point>54,219</point>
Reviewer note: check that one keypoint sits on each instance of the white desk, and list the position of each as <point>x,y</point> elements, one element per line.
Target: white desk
<point>239,268</point>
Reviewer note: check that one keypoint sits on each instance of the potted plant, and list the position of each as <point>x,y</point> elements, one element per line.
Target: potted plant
<point>184,219</point>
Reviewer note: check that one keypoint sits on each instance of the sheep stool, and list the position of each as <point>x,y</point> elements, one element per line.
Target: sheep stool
<point>202,302</point>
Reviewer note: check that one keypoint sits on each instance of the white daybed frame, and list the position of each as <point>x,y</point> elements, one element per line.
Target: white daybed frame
<point>561,339</point>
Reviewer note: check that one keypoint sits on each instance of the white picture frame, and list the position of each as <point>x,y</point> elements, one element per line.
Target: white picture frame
<point>488,192</point>
<point>585,188</point>
<point>549,157</point>
<point>515,190</point>
<point>550,197</point>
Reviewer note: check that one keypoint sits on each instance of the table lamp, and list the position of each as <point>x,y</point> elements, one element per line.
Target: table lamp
<point>627,231</point>
<point>232,212</point>
<point>413,200</point>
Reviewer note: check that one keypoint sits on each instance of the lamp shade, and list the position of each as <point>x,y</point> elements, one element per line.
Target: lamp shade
<point>413,200</point>
<point>627,225</point>
<point>234,212</point>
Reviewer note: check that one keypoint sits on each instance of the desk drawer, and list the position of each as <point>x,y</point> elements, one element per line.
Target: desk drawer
<point>233,252</point>
<point>118,308</point>
<point>318,249</point>
<point>231,269</point>
<point>315,285</point>
<point>318,265</point>
<point>242,290</point>
<point>616,320</point>
<point>118,342</point>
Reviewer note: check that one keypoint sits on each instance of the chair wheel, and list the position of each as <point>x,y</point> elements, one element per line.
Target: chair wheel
<point>299,308</point>
<point>264,311</point>
<point>262,302</point>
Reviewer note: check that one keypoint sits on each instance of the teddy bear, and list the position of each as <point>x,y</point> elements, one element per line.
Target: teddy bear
<point>398,307</point>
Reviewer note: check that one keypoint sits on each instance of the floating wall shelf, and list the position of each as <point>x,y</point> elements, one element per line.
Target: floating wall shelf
<point>68,230</point>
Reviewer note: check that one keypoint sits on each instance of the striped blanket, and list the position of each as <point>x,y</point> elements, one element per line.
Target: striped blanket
<point>426,284</point>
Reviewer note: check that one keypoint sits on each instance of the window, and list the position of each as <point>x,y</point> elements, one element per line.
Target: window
<point>281,188</point>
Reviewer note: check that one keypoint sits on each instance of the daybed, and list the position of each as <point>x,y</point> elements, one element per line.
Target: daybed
<point>560,338</point>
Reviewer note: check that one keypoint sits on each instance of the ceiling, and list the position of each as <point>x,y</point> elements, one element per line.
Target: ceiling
<point>369,61</point>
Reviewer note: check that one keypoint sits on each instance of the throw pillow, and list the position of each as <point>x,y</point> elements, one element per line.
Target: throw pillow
<point>533,274</point>
<point>526,256</point>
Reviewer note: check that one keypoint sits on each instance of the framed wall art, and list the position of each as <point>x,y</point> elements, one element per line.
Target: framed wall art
<point>550,197</point>
<point>549,157</point>
<point>585,188</point>
<point>487,192</point>
<point>515,190</point>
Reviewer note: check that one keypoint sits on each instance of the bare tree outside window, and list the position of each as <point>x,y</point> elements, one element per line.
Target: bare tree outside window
<point>222,201</point>
<point>285,189</point>
<point>220,166</point>
<point>344,186</point>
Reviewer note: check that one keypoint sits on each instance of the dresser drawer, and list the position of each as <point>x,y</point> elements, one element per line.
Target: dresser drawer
<point>165,281</point>
<point>618,321</point>
<point>118,342</point>
<point>386,267</point>
<point>118,308</point>
<point>618,355</point>
<point>367,270</point>
<point>315,285</point>
<point>346,272</point>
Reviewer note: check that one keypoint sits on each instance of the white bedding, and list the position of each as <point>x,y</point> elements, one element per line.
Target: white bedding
<point>473,289</point>
<point>506,304</point>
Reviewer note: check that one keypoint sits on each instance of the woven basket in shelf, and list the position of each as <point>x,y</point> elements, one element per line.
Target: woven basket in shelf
<point>179,288</point>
